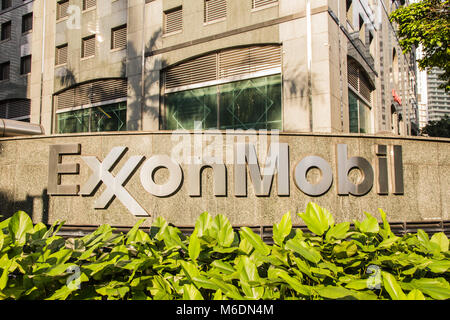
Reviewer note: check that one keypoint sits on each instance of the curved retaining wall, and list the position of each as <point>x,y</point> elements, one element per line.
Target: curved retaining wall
<point>411,178</point>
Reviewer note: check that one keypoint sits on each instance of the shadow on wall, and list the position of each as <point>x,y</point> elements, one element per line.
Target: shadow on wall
<point>66,78</point>
<point>8,206</point>
<point>139,86</point>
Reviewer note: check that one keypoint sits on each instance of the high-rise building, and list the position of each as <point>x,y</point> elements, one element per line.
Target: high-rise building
<point>438,100</point>
<point>298,66</point>
<point>16,27</point>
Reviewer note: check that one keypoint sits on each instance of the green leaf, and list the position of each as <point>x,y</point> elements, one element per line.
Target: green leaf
<point>203,224</point>
<point>338,231</point>
<point>437,288</point>
<point>438,266</point>
<point>331,292</point>
<point>223,231</point>
<point>61,294</point>
<point>291,281</point>
<point>360,284</point>
<point>249,274</point>
<point>386,243</point>
<point>223,267</point>
<point>19,225</point>
<point>133,235</point>
<point>190,292</point>
<point>415,295</point>
<point>441,240</point>
<point>190,270</point>
<point>5,273</point>
<point>392,287</point>
<point>317,219</point>
<point>386,230</point>
<point>369,225</point>
<point>282,229</point>
<point>194,246</point>
<point>303,249</point>
<point>255,241</point>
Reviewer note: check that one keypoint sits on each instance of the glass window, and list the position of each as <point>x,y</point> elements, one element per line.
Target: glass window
<point>6,30</point>
<point>359,114</point>
<point>247,104</point>
<point>25,64</point>
<point>96,119</point>
<point>27,22</point>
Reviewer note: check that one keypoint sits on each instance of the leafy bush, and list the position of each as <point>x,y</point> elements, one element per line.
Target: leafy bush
<point>216,262</point>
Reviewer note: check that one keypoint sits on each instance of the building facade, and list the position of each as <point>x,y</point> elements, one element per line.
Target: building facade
<point>296,66</point>
<point>438,100</point>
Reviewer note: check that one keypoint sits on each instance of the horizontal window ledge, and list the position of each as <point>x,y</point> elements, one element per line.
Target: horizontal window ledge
<point>265,7</point>
<point>93,105</point>
<point>172,33</point>
<point>214,21</point>
<point>225,80</point>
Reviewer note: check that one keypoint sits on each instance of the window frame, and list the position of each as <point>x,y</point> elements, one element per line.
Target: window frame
<point>4,6</point>
<point>166,13</point>
<point>123,26</point>
<point>83,41</point>
<point>57,48</point>
<point>2,72</point>
<point>24,67</point>
<point>25,16</point>
<point>9,24</point>
<point>61,15</point>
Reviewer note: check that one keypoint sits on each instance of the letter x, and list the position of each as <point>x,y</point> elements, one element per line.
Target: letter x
<point>114,185</point>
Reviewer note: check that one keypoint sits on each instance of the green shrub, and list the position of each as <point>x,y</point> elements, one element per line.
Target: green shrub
<point>216,262</point>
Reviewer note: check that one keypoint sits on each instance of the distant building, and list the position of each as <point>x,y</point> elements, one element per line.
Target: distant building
<point>438,99</point>
<point>298,66</point>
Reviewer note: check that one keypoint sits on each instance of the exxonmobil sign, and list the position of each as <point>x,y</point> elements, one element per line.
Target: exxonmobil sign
<point>387,176</point>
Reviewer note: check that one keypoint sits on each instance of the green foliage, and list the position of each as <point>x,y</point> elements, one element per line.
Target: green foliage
<point>216,262</point>
<point>439,128</point>
<point>427,23</point>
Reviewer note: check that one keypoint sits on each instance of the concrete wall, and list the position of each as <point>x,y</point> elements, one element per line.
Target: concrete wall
<point>24,166</point>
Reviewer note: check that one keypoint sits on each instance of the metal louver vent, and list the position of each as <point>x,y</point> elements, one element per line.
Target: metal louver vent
<point>194,71</point>
<point>248,60</point>
<point>353,75</point>
<point>61,8</point>
<point>224,65</point>
<point>92,92</point>
<point>14,109</point>
<point>88,47</point>
<point>215,9</point>
<point>358,81</point>
<point>364,88</point>
<point>119,37</point>
<point>89,4</point>
<point>173,20</point>
<point>61,55</point>
<point>262,3</point>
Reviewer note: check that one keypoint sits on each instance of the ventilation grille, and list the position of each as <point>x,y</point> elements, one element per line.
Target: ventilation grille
<point>92,92</point>
<point>194,71</point>
<point>262,3</point>
<point>173,20</point>
<point>248,60</point>
<point>88,48</point>
<point>215,9</point>
<point>89,4</point>
<point>61,55</point>
<point>266,232</point>
<point>13,109</point>
<point>224,65</point>
<point>358,81</point>
<point>61,9</point>
<point>119,37</point>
